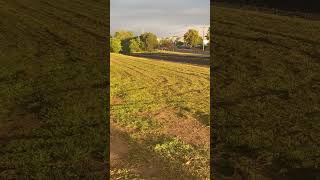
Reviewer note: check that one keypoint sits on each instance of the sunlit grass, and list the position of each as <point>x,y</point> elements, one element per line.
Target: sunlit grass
<point>140,87</point>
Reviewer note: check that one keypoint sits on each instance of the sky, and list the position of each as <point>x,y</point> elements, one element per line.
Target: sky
<point>164,17</point>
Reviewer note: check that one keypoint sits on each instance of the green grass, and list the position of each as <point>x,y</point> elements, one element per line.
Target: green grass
<point>141,89</point>
<point>53,82</point>
<point>266,96</point>
<point>158,84</point>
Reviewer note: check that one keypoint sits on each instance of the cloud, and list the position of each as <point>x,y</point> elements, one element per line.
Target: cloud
<point>161,17</point>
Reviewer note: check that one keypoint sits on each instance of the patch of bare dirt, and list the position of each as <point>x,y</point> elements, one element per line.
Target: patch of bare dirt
<point>150,171</point>
<point>187,129</point>
<point>20,126</point>
<point>119,152</point>
<point>116,101</point>
<point>119,148</point>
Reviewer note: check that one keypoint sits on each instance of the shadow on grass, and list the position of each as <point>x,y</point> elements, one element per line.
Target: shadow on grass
<point>144,162</point>
<point>189,59</point>
<point>203,118</point>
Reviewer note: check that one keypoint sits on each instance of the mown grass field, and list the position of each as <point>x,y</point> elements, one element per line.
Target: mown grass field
<point>159,119</point>
<point>53,82</point>
<point>266,106</point>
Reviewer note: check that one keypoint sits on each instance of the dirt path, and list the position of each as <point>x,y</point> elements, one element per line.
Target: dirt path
<point>119,149</point>
<point>119,158</point>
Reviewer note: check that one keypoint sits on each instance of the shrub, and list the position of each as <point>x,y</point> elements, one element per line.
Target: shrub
<point>192,38</point>
<point>166,43</point>
<point>124,37</point>
<point>115,45</point>
<point>149,41</point>
<point>135,45</point>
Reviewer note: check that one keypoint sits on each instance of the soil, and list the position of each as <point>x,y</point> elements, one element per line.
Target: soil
<point>22,125</point>
<point>187,129</point>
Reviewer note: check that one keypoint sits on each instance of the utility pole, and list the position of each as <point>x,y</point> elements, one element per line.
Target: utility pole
<point>203,27</point>
<point>173,41</point>
<point>171,38</point>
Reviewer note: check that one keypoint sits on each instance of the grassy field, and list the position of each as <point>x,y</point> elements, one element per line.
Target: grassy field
<point>266,106</point>
<point>53,81</point>
<point>159,119</point>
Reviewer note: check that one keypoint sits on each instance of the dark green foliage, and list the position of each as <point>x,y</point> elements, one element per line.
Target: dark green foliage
<point>126,45</point>
<point>179,43</point>
<point>149,41</point>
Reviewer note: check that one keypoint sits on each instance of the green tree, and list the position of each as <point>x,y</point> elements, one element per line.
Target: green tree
<point>135,45</point>
<point>124,37</point>
<point>179,43</point>
<point>192,38</point>
<point>166,43</point>
<point>115,45</point>
<point>149,41</point>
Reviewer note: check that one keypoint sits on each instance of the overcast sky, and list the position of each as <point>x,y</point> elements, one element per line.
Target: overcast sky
<point>163,17</point>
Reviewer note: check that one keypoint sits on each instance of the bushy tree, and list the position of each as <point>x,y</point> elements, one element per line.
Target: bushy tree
<point>124,37</point>
<point>115,45</point>
<point>166,43</point>
<point>149,41</point>
<point>192,38</point>
<point>135,45</point>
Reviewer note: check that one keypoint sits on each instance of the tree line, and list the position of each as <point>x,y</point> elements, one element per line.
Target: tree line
<point>126,42</point>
